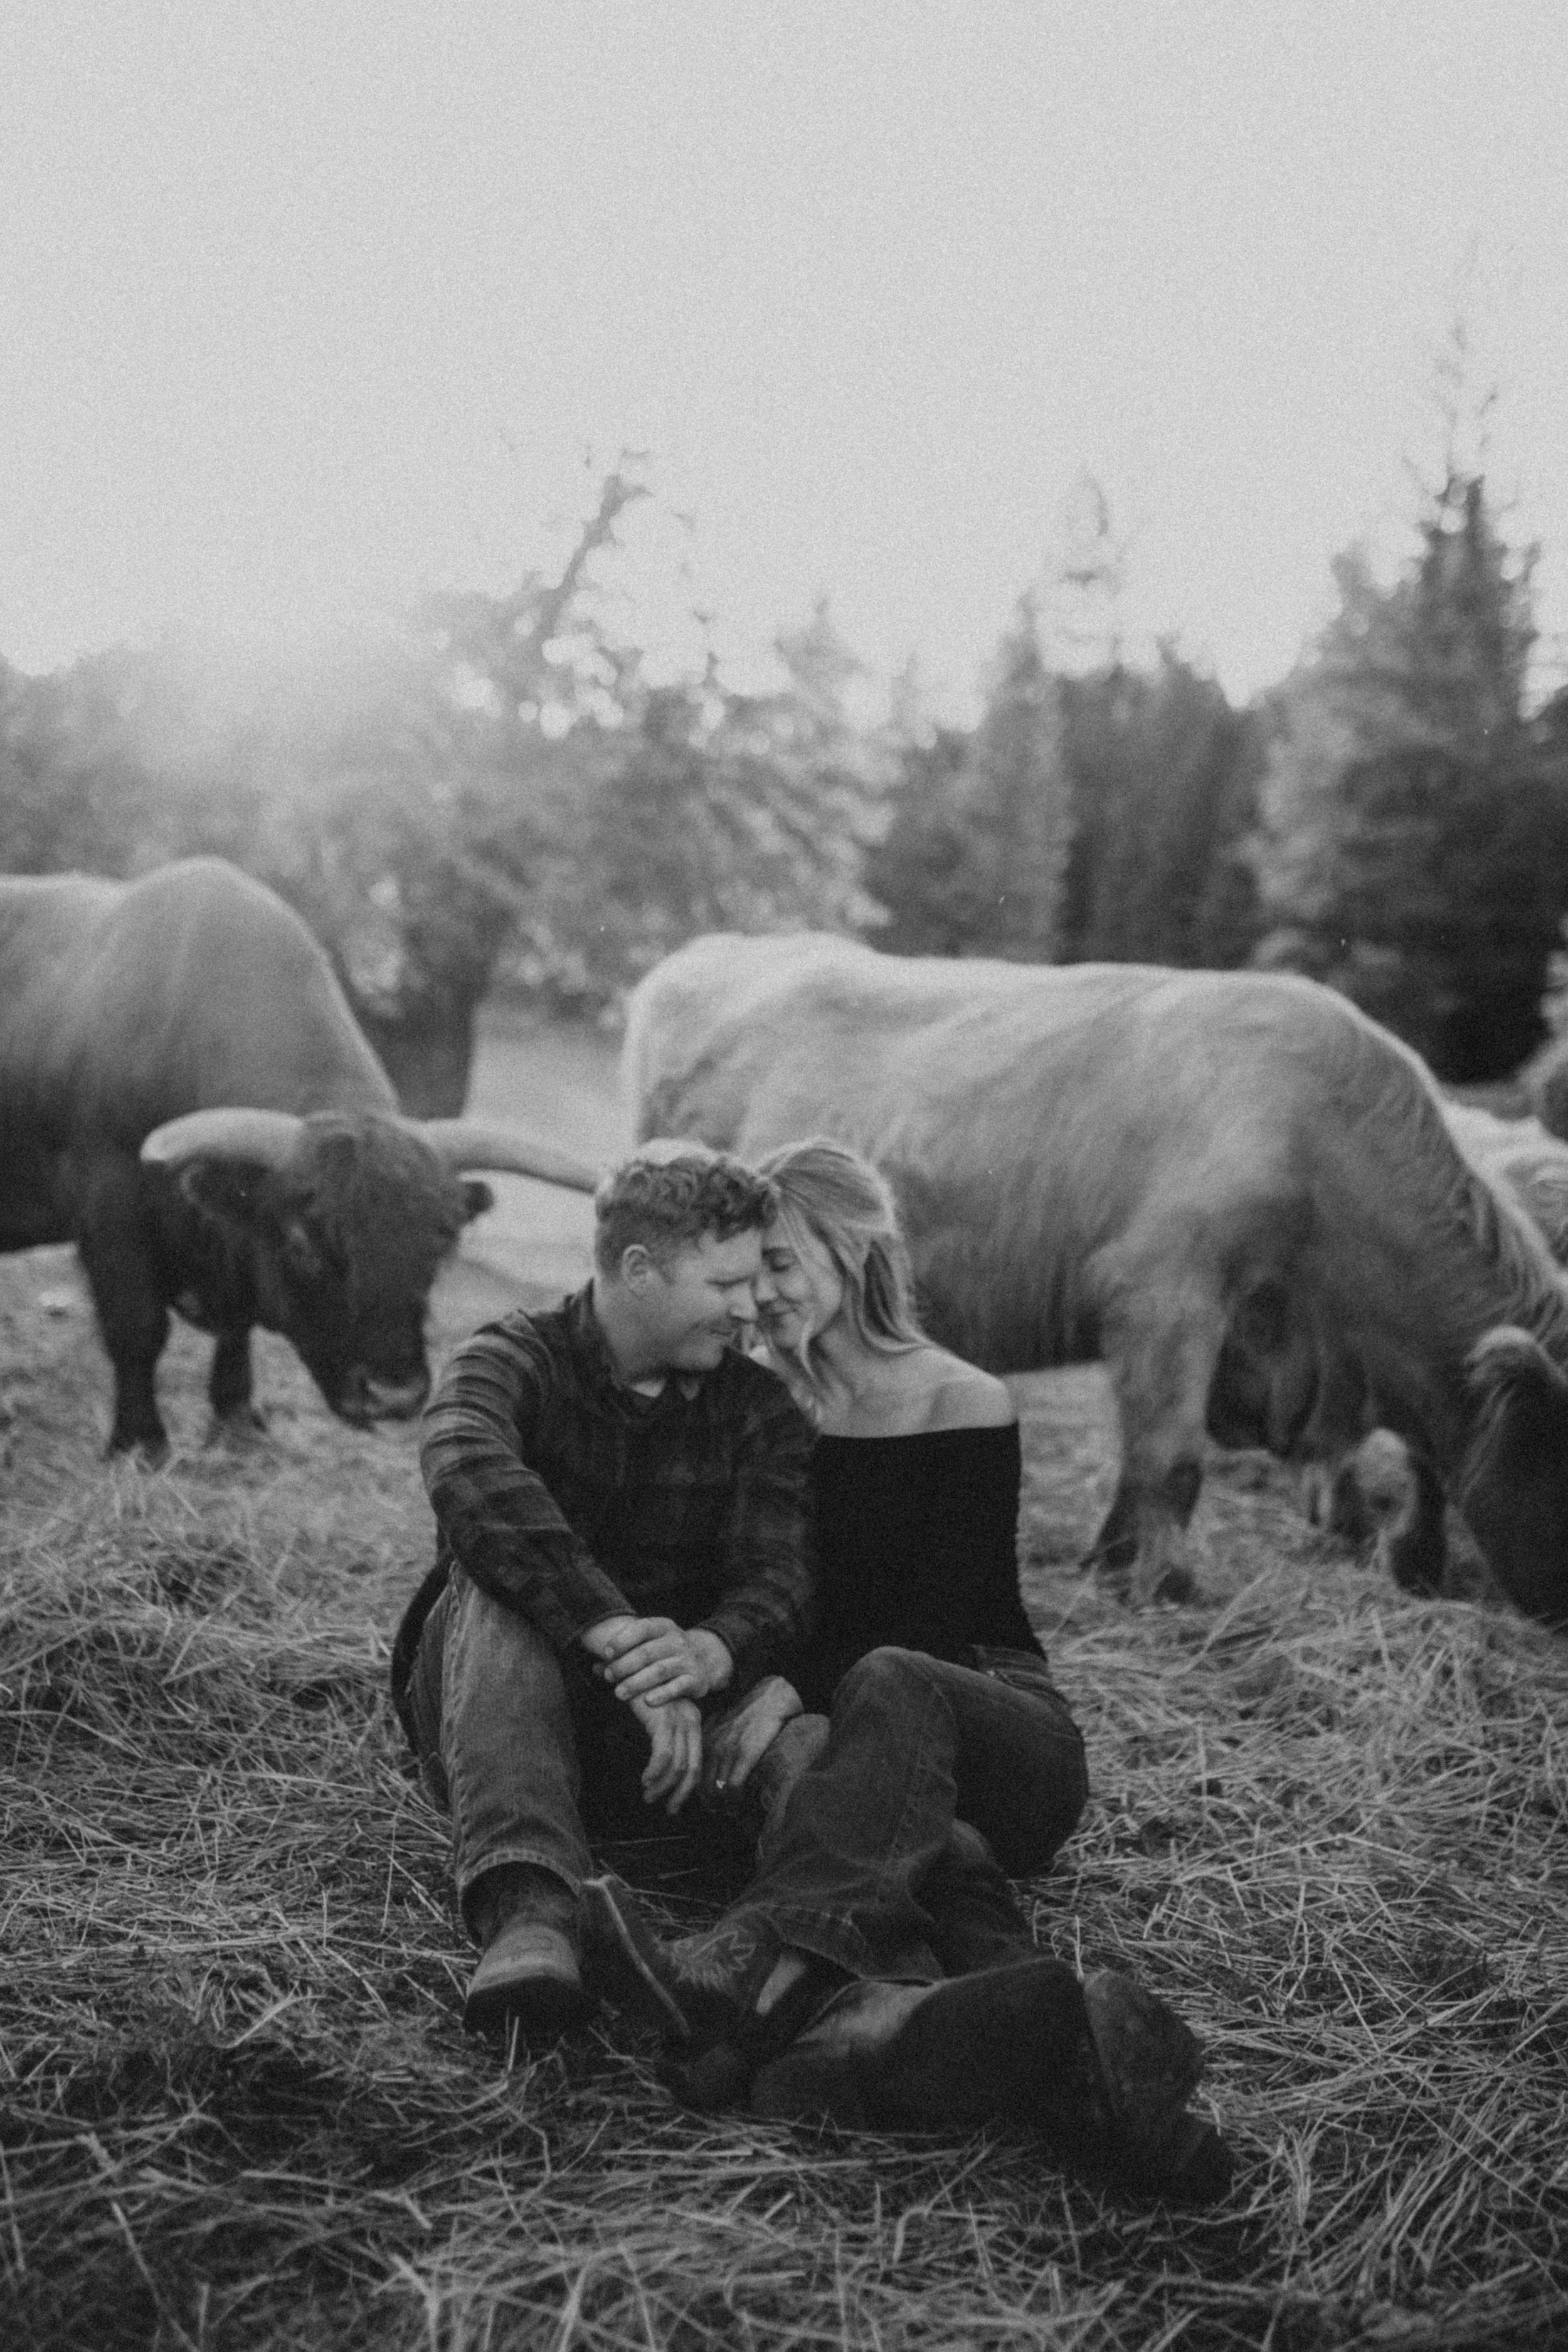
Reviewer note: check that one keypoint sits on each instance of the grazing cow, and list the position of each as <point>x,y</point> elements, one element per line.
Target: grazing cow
<point>185,1095</point>
<point>1233,1187</point>
<point>1377,1491</point>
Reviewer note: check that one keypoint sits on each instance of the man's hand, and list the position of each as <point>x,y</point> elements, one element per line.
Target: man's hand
<point>613,1637</point>
<point>741,1738</point>
<point>675,1731</point>
<point>651,1658</point>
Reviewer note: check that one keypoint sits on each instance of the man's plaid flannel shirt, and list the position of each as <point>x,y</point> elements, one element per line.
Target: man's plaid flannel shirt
<point>569,1497</point>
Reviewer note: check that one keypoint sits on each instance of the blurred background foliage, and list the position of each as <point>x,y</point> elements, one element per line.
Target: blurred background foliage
<point>1412,838</point>
<point>499,794</point>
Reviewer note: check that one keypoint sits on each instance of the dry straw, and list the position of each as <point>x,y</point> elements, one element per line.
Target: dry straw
<point>237,2109</point>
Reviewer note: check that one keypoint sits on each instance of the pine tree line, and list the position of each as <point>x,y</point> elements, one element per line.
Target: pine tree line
<point>1392,820</point>
<point>501,793</point>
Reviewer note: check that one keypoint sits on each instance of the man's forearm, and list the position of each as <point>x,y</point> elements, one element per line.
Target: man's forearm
<point>714,1652</point>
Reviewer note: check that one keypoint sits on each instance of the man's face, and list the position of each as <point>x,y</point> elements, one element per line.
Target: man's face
<point>701,1302</point>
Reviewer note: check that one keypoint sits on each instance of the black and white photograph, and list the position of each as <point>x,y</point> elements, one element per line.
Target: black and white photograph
<point>783,1176</point>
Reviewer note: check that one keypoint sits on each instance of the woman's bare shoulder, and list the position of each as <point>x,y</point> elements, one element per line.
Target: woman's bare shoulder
<point>916,1394</point>
<point>963,1397</point>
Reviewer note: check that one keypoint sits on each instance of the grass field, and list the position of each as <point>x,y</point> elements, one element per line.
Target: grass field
<point>236,2106</point>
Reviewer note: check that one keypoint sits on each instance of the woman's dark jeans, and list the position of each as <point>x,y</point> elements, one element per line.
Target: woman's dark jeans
<point>889,1855</point>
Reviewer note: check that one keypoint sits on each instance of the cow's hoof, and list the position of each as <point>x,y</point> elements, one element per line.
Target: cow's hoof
<point>1180,1587</point>
<point>146,1453</point>
<point>1172,1588</point>
<point>241,1426</point>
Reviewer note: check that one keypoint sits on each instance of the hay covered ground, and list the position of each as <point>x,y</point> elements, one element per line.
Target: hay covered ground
<point>237,2108</point>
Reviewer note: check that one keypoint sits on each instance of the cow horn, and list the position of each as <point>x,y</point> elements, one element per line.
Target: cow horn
<point>271,1137</point>
<point>462,1143</point>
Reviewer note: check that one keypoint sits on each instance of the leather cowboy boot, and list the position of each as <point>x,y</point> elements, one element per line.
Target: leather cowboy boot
<point>999,2045</point>
<point>528,1977</point>
<point>724,1998</point>
<point>1104,2076</point>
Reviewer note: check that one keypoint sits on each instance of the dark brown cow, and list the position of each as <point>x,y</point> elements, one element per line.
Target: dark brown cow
<point>1165,1170</point>
<point>185,1095</point>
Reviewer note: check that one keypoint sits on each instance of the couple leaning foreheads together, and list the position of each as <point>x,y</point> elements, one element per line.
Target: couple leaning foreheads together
<point>775,1593</point>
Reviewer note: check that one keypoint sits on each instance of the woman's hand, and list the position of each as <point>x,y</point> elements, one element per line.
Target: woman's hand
<point>735,1744</point>
<point>675,1765</point>
<point>651,1658</point>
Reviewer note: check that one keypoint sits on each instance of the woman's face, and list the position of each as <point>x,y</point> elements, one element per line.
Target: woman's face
<point>799,1290</point>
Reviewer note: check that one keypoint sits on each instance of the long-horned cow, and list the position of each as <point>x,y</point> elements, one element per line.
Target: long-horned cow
<point>1234,1188</point>
<point>185,1094</point>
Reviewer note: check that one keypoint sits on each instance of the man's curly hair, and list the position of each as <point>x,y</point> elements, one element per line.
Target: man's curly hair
<point>669,1195</point>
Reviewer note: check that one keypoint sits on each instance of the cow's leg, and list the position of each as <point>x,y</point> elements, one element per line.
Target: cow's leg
<point>1398,1501</point>
<point>1161,1328</point>
<point>228,1386</point>
<point>1417,1551</point>
<point>123,1274</point>
<point>1115,1546</point>
<point>1338,1418</point>
<point>1327,1444</point>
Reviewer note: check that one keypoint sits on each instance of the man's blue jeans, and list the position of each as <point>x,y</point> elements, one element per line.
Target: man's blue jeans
<point>860,1861</point>
<point>529,1753</point>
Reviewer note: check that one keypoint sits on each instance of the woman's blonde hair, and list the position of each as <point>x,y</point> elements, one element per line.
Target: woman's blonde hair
<point>829,1192</point>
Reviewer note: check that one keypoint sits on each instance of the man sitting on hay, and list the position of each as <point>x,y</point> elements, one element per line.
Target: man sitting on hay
<point>617,1477</point>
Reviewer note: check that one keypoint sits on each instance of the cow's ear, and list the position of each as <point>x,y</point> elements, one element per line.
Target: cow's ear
<point>225,1189</point>
<point>477,1198</point>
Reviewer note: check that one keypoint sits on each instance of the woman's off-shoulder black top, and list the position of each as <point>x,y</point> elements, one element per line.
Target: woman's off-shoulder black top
<point>917,1547</point>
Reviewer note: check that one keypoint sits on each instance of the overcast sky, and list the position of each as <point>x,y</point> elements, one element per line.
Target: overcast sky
<point>310,308</point>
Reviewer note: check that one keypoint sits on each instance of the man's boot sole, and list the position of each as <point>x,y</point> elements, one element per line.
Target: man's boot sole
<point>1151,2062</point>
<point>625,1957</point>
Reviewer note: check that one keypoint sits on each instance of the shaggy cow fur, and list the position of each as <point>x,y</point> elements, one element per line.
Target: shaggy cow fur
<point>1163,1170</point>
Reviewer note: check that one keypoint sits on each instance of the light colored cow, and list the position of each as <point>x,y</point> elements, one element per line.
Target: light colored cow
<point>1235,1188</point>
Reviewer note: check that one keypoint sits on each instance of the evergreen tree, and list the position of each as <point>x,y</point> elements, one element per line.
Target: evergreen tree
<point>975,859</point>
<point>1411,849</point>
<point>1164,773</point>
<point>1019,800</point>
<point>919,873</point>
